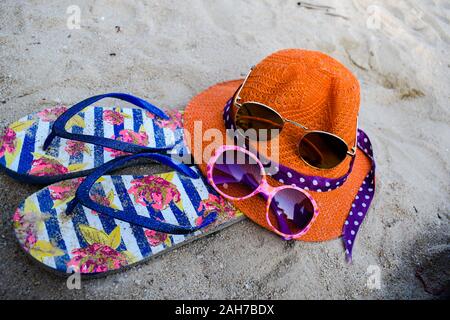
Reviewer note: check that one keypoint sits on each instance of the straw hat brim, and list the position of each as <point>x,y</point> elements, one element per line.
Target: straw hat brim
<point>334,206</point>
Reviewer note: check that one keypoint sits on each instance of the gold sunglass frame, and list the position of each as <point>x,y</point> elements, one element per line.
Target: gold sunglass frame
<point>238,104</point>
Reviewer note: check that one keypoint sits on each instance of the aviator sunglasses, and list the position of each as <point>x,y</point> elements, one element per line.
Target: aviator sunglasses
<point>319,149</point>
<point>237,174</point>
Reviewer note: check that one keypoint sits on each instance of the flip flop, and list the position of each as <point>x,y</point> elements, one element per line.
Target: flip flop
<point>99,224</point>
<point>62,143</point>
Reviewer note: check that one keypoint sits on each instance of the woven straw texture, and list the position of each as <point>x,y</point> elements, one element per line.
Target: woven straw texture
<point>305,86</point>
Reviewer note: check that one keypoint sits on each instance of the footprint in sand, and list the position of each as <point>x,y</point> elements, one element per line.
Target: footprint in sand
<point>402,41</point>
<point>408,22</point>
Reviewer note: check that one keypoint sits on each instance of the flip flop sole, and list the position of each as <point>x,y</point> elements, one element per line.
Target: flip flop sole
<point>22,155</point>
<point>94,244</point>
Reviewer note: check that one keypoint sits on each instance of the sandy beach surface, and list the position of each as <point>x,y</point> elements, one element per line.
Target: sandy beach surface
<point>168,51</point>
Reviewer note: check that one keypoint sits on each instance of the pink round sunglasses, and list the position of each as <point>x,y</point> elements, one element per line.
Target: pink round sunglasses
<point>237,174</point>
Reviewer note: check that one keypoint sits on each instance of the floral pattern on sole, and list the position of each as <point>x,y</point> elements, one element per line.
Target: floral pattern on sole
<point>92,243</point>
<point>21,143</point>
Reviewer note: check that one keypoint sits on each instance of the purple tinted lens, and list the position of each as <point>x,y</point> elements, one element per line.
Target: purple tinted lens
<point>290,211</point>
<point>236,174</point>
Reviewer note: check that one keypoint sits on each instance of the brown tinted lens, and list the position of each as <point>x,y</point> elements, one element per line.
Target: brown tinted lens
<point>266,122</point>
<point>322,150</point>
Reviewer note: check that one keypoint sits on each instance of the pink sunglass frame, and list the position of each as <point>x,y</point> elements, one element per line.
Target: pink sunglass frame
<point>264,188</point>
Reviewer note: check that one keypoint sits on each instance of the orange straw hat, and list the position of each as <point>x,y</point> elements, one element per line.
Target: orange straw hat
<point>310,88</point>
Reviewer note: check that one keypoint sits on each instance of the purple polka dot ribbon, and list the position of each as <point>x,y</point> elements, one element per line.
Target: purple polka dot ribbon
<point>362,200</point>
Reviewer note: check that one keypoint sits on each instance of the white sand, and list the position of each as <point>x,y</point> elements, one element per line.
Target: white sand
<point>168,51</point>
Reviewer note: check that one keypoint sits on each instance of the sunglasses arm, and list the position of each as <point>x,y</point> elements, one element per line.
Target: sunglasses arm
<point>237,96</point>
<point>352,151</point>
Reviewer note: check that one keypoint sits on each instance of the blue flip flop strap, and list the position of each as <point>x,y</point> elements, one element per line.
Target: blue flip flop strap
<point>58,128</point>
<point>129,214</point>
